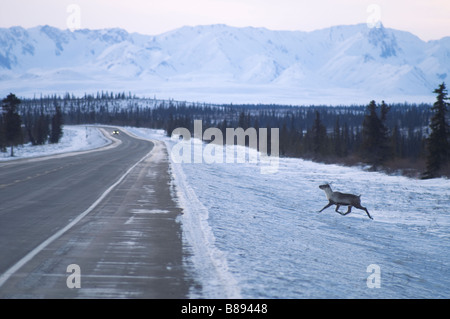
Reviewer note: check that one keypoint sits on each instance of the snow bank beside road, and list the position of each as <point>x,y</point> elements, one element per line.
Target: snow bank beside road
<point>275,244</point>
<point>75,138</point>
<point>210,263</point>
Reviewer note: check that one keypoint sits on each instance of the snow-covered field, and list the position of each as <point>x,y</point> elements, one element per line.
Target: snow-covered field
<point>255,235</point>
<point>75,138</point>
<point>260,235</point>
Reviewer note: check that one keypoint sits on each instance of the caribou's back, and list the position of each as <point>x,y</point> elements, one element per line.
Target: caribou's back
<point>345,199</point>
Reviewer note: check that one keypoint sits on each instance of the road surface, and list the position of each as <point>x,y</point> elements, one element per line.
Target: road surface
<point>99,224</point>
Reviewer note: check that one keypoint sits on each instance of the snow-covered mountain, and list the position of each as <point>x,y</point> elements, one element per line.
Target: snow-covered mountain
<point>342,64</point>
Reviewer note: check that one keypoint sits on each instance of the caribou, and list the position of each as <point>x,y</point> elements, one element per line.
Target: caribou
<point>341,199</point>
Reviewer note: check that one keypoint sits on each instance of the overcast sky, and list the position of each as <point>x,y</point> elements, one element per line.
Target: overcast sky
<point>428,19</point>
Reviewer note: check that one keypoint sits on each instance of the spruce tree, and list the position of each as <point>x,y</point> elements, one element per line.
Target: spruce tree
<point>396,143</point>
<point>337,139</point>
<point>40,129</point>
<point>375,140</point>
<point>438,141</point>
<point>11,121</point>
<point>57,122</point>
<point>384,138</point>
<point>2,135</point>
<point>319,137</point>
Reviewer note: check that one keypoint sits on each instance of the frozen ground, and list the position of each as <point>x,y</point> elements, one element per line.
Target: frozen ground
<point>257,235</point>
<point>75,138</point>
<point>260,235</point>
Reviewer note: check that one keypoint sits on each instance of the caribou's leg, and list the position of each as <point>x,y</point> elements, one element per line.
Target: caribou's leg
<point>364,209</point>
<point>349,210</point>
<point>326,206</point>
<point>337,209</point>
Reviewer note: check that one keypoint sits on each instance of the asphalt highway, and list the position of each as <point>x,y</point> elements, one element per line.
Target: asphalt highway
<point>109,212</point>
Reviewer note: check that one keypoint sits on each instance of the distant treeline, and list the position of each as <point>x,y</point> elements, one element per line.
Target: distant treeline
<point>31,125</point>
<point>383,136</point>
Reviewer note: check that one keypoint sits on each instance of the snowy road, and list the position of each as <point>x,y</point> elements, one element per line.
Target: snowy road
<point>110,212</point>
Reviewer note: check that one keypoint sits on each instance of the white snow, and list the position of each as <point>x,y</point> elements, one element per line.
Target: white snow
<point>75,138</point>
<point>256,235</point>
<point>266,239</point>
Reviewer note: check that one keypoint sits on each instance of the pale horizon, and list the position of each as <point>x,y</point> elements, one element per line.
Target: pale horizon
<point>428,20</point>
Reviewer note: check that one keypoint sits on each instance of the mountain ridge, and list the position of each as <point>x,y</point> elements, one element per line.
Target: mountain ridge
<point>219,61</point>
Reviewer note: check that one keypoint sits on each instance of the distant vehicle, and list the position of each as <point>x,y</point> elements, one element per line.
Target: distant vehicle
<point>115,132</point>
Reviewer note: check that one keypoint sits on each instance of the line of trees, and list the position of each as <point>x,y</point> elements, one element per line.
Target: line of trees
<point>406,137</point>
<point>370,134</point>
<point>35,125</point>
